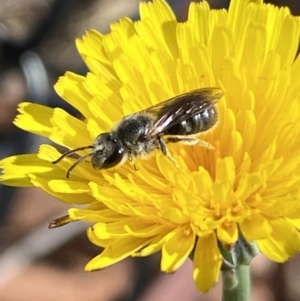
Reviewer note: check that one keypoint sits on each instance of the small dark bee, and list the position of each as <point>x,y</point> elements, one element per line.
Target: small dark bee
<point>178,119</point>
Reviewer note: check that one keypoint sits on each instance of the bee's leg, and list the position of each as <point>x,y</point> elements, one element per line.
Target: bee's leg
<point>164,150</point>
<point>131,159</point>
<point>162,145</point>
<point>190,140</point>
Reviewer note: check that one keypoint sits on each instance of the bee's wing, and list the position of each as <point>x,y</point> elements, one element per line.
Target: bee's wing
<point>181,107</point>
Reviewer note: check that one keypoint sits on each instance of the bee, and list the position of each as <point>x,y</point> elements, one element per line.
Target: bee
<point>179,119</point>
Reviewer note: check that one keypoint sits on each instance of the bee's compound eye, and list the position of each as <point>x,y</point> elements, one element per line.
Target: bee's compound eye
<point>114,157</point>
<point>109,151</point>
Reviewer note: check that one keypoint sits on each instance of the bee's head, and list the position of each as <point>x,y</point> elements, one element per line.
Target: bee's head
<point>108,151</point>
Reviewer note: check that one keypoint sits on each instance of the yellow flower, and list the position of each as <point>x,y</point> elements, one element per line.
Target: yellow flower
<point>249,183</point>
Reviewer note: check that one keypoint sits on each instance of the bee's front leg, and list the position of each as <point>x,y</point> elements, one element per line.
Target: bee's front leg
<point>131,159</point>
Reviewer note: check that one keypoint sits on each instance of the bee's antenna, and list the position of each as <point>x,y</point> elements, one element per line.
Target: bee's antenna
<point>70,152</point>
<point>77,162</point>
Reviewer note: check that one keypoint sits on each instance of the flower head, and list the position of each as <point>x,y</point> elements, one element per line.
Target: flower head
<point>249,182</point>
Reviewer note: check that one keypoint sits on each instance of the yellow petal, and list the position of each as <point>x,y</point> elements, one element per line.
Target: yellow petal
<point>34,118</point>
<point>282,243</point>
<point>17,168</point>
<point>70,88</point>
<point>207,262</point>
<point>103,215</point>
<point>115,251</point>
<point>255,227</point>
<point>42,183</point>
<point>174,254</point>
<point>227,233</point>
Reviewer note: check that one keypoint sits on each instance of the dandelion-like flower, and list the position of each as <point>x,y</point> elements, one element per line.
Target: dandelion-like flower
<point>247,185</point>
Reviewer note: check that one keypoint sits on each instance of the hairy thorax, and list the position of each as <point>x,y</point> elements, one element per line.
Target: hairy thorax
<point>132,130</point>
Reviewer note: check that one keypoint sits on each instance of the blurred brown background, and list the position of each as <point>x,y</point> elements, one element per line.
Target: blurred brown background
<point>36,46</point>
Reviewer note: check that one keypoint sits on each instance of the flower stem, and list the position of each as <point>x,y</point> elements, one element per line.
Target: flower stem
<point>236,284</point>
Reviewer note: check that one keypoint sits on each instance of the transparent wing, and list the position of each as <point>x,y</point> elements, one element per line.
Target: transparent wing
<point>181,107</point>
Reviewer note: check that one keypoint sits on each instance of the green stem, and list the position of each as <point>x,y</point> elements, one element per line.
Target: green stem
<point>236,284</point>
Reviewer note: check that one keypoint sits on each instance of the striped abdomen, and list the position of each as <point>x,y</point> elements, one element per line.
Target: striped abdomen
<point>196,124</point>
